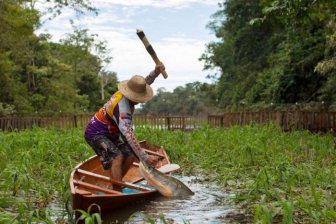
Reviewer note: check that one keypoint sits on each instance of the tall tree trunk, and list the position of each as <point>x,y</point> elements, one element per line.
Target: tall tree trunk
<point>102,85</point>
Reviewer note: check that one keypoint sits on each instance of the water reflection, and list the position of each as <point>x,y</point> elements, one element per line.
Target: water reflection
<point>210,204</point>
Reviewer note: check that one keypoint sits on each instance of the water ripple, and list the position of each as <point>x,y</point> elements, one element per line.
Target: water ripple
<point>210,204</point>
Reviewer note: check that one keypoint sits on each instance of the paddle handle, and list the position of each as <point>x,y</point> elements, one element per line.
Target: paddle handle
<point>150,50</point>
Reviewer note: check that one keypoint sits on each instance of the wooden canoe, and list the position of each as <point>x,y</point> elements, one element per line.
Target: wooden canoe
<point>90,184</point>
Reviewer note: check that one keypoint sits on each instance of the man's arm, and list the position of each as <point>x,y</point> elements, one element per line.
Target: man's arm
<point>124,121</point>
<point>155,73</point>
<point>127,132</point>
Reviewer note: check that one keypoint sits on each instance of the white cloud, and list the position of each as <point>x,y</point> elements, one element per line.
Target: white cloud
<point>130,57</point>
<point>179,52</point>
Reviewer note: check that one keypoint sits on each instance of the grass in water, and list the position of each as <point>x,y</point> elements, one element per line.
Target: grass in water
<point>278,176</point>
<point>35,168</point>
<point>90,218</point>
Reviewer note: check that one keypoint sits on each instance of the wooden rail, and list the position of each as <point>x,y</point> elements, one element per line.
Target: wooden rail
<point>69,121</point>
<point>169,122</point>
<point>64,121</point>
<point>287,120</point>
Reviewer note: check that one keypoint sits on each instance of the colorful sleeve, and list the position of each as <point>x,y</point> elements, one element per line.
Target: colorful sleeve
<point>151,77</point>
<point>124,122</point>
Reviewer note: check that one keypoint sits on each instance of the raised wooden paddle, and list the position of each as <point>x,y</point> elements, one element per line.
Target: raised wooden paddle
<point>150,49</point>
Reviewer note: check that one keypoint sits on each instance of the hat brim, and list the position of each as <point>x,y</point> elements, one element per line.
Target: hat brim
<point>134,96</point>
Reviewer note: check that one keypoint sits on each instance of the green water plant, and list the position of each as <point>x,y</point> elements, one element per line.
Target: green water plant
<point>148,218</point>
<point>90,218</point>
<point>36,170</point>
<point>275,175</point>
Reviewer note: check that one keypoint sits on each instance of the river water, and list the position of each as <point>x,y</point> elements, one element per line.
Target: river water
<point>210,204</point>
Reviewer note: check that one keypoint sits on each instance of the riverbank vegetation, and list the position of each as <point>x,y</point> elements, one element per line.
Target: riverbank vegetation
<point>267,54</point>
<point>278,176</point>
<point>39,76</point>
<point>275,175</point>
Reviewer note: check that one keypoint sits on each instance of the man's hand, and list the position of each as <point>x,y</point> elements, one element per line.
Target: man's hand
<point>152,159</point>
<point>159,68</point>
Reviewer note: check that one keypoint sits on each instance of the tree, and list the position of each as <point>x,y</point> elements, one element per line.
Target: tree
<point>55,7</point>
<point>108,83</point>
<point>89,57</point>
<point>16,37</point>
<point>275,51</point>
<point>37,75</point>
<point>241,51</point>
<point>106,77</point>
<point>192,99</point>
<point>327,67</point>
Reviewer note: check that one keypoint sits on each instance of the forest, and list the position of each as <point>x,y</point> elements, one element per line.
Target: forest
<point>39,76</point>
<point>268,54</point>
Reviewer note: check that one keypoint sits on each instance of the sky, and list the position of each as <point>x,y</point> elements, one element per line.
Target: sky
<point>175,28</point>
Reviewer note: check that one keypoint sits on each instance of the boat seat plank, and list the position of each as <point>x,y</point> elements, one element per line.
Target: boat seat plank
<point>107,179</point>
<point>94,187</point>
<point>83,192</point>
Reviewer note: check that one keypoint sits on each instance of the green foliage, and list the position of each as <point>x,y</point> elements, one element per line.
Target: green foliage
<point>241,50</point>
<point>327,67</point>
<point>35,170</point>
<point>6,109</point>
<point>38,76</point>
<point>152,220</point>
<point>88,218</point>
<point>193,99</point>
<point>279,51</point>
<point>55,7</point>
<point>282,177</point>
<point>16,34</point>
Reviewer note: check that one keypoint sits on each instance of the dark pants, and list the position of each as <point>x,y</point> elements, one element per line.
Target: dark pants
<point>109,148</point>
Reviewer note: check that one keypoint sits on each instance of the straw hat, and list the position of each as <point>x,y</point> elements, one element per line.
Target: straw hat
<point>136,89</point>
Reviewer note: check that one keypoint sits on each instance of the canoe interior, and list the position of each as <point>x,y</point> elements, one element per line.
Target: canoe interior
<point>90,183</point>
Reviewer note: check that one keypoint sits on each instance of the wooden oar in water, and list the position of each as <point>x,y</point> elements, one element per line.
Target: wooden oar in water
<point>168,168</point>
<point>167,185</point>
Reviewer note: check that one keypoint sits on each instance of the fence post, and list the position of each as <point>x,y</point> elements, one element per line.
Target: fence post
<point>183,124</point>
<point>168,122</point>
<point>279,119</point>
<point>75,120</point>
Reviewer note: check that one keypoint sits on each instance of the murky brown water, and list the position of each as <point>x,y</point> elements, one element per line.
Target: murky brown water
<point>210,204</point>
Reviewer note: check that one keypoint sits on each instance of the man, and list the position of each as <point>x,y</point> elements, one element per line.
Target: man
<point>109,131</point>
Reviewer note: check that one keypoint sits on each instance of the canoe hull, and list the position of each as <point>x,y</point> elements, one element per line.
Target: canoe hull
<point>110,203</point>
<point>90,184</point>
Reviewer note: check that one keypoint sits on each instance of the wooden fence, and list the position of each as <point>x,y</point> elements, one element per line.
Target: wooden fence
<point>170,122</point>
<point>70,121</point>
<point>64,121</point>
<point>287,120</point>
